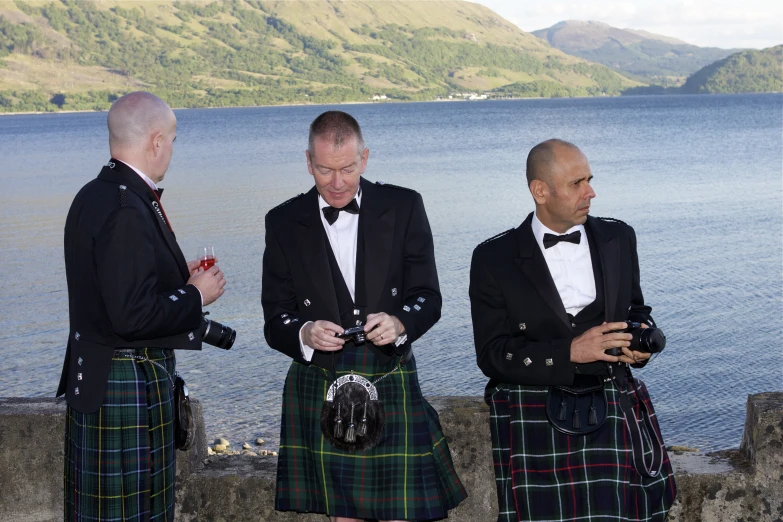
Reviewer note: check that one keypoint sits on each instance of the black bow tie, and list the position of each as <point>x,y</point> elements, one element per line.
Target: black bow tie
<point>551,240</point>
<point>159,192</point>
<point>331,213</point>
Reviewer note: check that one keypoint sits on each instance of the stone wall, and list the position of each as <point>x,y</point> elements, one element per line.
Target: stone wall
<point>744,484</point>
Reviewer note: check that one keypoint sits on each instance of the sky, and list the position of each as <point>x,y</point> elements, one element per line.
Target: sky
<point>706,23</point>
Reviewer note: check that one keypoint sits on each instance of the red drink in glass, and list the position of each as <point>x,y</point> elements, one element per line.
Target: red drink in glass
<point>207,263</point>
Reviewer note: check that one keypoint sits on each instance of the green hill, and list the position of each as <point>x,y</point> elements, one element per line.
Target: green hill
<point>746,71</point>
<point>637,54</point>
<point>68,54</point>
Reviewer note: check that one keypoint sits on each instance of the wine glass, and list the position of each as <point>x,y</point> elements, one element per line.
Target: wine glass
<point>206,257</point>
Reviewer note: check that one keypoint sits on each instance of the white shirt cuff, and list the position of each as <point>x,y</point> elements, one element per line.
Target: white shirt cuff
<point>199,293</point>
<point>307,352</point>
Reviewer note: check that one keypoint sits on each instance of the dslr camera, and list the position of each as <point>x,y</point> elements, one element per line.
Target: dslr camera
<point>355,334</point>
<point>216,334</point>
<point>647,340</point>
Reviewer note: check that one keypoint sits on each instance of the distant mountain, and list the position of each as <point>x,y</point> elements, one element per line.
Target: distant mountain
<point>635,53</point>
<point>82,55</point>
<point>746,71</point>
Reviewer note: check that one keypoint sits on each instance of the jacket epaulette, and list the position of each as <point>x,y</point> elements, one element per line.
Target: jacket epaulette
<point>381,183</point>
<point>612,220</point>
<point>284,203</point>
<point>496,236</point>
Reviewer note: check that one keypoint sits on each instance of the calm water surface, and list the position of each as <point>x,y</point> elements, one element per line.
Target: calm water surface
<point>699,177</point>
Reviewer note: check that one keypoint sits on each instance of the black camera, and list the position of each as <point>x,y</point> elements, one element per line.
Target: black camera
<point>216,334</point>
<point>647,340</point>
<point>355,334</point>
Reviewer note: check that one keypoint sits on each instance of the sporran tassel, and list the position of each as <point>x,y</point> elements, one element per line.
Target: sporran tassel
<point>575,420</point>
<point>592,418</point>
<point>338,427</point>
<point>350,435</point>
<point>363,426</point>
<point>562,415</point>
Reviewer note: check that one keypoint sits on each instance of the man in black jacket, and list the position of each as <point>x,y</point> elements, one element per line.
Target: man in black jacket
<point>547,301</point>
<point>348,253</point>
<point>132,300</point>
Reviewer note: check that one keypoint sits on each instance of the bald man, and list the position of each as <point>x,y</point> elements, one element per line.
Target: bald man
<point>132,300</point>
<point>547,301</point>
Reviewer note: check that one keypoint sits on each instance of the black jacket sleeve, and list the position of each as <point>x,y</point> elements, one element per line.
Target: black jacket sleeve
<point>501,355</point>
<point>421,298</point>
<point>638,312</point>
<point>278,299</point>
<point>126,271</point>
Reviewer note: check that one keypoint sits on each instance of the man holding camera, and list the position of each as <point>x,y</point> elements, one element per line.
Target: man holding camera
<point>574,436</point>
<point>132,300</point>
<point>349,282</point>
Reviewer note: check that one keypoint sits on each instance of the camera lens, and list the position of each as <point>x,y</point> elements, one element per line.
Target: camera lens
<point>651,340</point>
<point>218,335</point>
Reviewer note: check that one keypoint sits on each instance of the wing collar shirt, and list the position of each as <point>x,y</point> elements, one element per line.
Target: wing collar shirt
<point>570,266</point>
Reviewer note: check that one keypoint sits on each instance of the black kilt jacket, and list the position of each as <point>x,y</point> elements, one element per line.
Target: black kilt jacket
<point>126,282</point>
<point>400,279</point>
<point>518,314</point>
<point>523,344</point>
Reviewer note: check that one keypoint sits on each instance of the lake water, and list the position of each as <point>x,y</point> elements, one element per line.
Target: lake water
<point>699,177</point>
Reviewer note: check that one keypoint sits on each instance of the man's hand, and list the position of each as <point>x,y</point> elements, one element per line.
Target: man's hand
<point>633,357</point>
<point>322,335</point>
<point>195,264</point>
<point>210,283</point>
<point>591,346</point>
<point>383,328</point>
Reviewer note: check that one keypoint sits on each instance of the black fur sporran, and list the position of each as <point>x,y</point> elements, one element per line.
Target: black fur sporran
<point>352,418</point>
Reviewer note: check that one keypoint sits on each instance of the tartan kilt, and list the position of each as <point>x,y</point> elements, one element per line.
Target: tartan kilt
<point>409,475</point>
<point>544,475</point>
<point>120,461</point>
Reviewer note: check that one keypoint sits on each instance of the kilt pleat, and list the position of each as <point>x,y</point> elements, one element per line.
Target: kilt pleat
<point>120,460</point>
<point>409,475</point>
<point>544,475</point>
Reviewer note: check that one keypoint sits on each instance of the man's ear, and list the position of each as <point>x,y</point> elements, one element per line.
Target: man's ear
<point>365,157</point>
<point>157,144</point>
<point>540,191</point>
<point>309,162</point>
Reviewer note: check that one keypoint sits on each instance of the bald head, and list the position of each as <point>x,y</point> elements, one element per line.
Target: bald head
<point>542,159</point>
<point>141,130</point>
<point>134,117</point>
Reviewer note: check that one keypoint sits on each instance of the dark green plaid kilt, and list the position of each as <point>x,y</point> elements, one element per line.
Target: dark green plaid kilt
<point>409,475</point>
<point>120,461</point>
<point>544,475</point>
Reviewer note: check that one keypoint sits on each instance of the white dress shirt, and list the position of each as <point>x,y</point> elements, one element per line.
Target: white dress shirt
<point>570,266</point>
<point>342,235</point>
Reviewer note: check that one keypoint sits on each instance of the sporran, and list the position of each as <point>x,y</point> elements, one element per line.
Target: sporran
<point>353,417</point>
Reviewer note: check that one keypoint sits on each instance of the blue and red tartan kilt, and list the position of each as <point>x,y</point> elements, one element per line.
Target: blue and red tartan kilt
<point>409,475</point>
<point>120,461</point>
<point>544,475</point>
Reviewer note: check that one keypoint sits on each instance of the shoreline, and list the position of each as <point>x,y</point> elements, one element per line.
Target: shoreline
<point>385,102</point>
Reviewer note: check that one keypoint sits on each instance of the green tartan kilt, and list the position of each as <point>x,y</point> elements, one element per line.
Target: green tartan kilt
<point>543,475</point>
<point>409,475</point>
<point>119,461</point>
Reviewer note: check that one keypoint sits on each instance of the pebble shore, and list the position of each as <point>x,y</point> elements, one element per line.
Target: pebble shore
<point>222,446</point>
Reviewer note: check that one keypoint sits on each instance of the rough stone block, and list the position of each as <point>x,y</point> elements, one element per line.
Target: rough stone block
<point>31,459</point>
